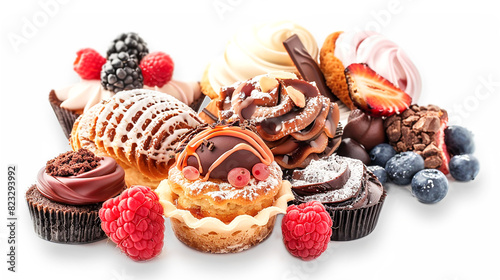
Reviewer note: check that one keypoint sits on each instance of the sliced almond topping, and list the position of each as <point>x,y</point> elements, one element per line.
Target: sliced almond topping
<point>282,75</point>
<point>267,83</point>
<point>297,97</point>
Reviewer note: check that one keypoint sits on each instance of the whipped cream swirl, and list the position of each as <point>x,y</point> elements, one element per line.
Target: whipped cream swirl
<point>258,50</point>
<point>186,92</point>
<point>383,56</point>
<point>81,96</point>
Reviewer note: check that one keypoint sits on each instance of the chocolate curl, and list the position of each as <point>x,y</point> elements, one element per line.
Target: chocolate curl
<point>307,66</point>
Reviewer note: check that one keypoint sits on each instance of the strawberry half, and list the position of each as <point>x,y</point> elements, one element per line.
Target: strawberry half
<point>374,94</point>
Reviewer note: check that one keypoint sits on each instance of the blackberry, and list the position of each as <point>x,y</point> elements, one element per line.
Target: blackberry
<point>121,72</point>
<point>130,43</point>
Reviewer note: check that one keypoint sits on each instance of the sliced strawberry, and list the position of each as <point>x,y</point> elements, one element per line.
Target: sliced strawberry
<point>445,156</point>
<point>374,94</point>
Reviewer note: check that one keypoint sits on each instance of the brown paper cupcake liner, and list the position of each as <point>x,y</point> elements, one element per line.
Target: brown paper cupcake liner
<point>63,223</point>
<point>65,117</point>
<point>354,223</point>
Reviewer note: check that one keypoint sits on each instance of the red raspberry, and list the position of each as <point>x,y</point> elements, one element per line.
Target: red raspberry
<point>306,229</point>
<point>134,221</point>
<point>157,69</point>
<point>88,64</point>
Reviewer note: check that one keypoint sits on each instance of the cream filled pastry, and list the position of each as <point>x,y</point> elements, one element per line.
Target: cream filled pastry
<point>255,51</point>
<point>214,155</point>
<point>385,57</point>
<point>81,96</point>
<point>382,55</point>
<point>186,92</point>
<point>297,123</point>
<point>138,128</point>
<point>224,191</point>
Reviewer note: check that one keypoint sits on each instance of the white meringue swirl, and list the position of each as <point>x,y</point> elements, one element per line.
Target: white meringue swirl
<point>383,56</point>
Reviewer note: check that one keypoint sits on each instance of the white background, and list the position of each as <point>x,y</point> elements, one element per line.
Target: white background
<point>455,46</point>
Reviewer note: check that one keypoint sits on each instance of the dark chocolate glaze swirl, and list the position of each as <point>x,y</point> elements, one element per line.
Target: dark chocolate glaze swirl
<point>361,189</point>
<point>215,151</point>
<point>97,185</point>
<point>296,121</point>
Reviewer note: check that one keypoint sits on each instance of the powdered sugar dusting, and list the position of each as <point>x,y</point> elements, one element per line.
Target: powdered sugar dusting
<point>319,171</point>
<point>327,169</point>
<point>226,191</point>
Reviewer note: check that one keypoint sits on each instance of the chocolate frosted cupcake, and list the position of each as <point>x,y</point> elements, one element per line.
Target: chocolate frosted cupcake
<point>70,189</point>
<point>350,193</point>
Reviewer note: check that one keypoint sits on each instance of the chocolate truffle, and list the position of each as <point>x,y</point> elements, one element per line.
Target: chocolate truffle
<point>366,130</point>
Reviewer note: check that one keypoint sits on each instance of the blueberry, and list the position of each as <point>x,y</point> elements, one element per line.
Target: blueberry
<point>459,140</point>
<point>464,167</point>
<point>381,153</point>
<point>380,172</point>
<point>429,185</point>
<point>401,167</point>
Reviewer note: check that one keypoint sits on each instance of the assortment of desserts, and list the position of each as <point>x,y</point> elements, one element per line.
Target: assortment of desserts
<point>121,70</point>
<point>284,132</point>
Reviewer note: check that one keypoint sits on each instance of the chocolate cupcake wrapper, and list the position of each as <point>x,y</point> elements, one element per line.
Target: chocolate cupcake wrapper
<point>65,117</point>
<point>65,225</point>
<point>356,223</point>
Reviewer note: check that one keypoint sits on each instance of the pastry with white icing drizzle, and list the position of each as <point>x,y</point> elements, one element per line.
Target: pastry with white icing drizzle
<point>140,129</point>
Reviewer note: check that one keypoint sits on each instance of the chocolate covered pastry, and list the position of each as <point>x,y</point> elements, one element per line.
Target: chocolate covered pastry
<point>295,120</point>
<point>224,191</point>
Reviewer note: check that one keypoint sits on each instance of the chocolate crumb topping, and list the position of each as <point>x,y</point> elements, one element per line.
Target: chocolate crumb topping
<point>417,129</point>
<point>72,163</point>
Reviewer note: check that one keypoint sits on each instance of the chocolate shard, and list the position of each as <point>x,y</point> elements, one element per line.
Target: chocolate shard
<point>315,188</point>
<point>210,115</point>
<point>307,66</point>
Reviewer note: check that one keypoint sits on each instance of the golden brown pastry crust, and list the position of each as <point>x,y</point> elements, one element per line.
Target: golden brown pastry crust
<point>205,86</point>
<point>139,129</point>
<point>218,199</point>
<point>212,235</point>
<point>333,70</point>
<point>222,242</point>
